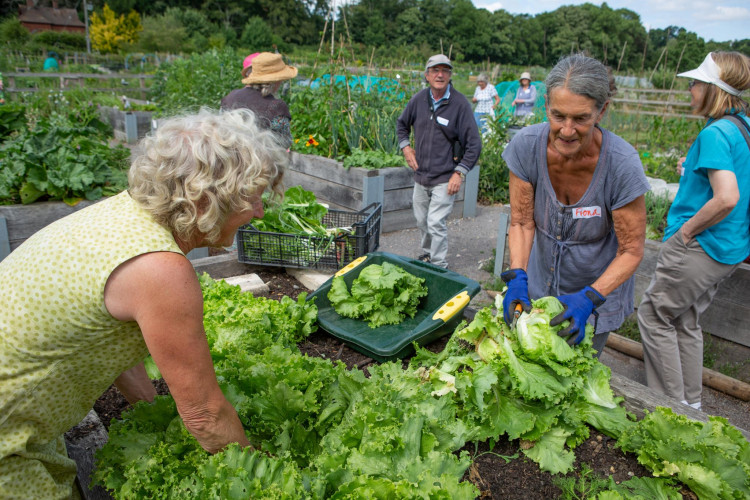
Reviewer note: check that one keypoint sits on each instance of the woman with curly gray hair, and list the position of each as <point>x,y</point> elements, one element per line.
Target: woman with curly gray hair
<point>118,287</point>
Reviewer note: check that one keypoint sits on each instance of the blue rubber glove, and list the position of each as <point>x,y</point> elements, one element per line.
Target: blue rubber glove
<point>578,307</point>
<point>517,293</point>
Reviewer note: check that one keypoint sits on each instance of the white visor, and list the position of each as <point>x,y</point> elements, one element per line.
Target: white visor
<point>709,72</point>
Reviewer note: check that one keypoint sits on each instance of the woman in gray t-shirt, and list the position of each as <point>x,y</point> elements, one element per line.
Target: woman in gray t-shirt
<point>578,213</point>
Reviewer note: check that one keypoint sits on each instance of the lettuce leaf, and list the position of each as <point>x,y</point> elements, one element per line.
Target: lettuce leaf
<point>380,295</point>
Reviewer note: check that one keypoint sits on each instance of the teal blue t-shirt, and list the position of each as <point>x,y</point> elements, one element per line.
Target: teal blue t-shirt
<point>719,146</point>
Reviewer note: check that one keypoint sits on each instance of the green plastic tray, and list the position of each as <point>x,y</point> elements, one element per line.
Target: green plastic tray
<point>438,314</point>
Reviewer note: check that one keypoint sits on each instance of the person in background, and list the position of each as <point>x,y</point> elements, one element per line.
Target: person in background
<point>708,230</point>
<point>578,211</point>
<point>117,288</point>
<point>51,64</point>
<point>485,95</point>
<point>441,118</point>
<point>247,64</point>
<point>525,96</point>
<point>266,72</point>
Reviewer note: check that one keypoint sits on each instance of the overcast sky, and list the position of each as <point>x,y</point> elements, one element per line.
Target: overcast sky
<point>719,20</point>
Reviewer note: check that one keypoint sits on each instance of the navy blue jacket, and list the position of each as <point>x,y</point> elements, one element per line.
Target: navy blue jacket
<point>434,135</point>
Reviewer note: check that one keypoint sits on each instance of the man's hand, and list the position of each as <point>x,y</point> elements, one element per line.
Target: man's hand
<point>517,293</point>
<point>578,308</point>
<point>411,157</point>
<point>454,184</point>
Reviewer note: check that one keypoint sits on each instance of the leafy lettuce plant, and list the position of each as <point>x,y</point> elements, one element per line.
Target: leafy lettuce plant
<point>380,295</point>
<point>711,458</point>
<point>526,383</point>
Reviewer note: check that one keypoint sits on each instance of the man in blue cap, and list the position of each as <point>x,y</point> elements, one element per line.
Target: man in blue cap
<point>446,146</point>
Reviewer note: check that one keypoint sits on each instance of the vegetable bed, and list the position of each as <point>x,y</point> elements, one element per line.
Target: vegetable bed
<point>496,474</point>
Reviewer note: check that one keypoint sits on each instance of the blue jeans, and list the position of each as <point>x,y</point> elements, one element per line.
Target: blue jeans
<point>481,120</point>
<point>432,206</point>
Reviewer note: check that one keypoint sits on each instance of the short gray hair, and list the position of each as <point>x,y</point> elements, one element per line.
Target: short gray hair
<point>212,161</point>
<point>266,89</point>
<point>583,76</point>
<point>483,78</point>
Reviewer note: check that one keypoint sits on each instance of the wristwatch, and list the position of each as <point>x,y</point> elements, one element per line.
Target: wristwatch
<point>461,174</point>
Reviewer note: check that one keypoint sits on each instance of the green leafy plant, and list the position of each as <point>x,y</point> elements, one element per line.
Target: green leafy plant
<point>189,83</point>
<point>657,209</point>
<point>373,159</point>
<point>583,487</point>
<point>711,457</point>
<point>12,119</point>
<point>494,174</point>
<point>60,160</point>
<point>380,295</point>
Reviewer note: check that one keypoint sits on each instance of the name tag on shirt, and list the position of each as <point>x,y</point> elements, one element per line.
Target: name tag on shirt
<point>587,212</point>
<point>442,121</point>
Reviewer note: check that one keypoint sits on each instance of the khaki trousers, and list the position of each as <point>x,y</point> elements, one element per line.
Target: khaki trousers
<point>682,288</point>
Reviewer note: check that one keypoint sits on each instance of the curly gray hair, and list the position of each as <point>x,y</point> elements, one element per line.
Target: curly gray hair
<point>196,170</point>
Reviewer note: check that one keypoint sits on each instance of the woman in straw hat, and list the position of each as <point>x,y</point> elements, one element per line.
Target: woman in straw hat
<point>525,96</point>
<point>708,229</point>
<point>263,75</point>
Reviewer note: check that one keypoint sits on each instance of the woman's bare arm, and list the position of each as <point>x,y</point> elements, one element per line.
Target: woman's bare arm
<point>522,226</point>
<point>160,291</point>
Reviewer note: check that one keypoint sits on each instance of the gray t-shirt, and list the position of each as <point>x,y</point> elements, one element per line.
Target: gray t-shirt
<point>574,244</point>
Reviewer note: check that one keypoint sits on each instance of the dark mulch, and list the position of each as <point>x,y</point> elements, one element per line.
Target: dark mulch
<point>495,476</point>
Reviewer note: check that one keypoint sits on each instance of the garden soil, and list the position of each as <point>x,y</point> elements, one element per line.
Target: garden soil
<point>500,471</point>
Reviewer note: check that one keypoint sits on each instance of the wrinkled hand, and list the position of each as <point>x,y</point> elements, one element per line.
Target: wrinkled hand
<point>517,293</point>
<point>578,307</point>
<point>454,184</point>
<point>411,157</point>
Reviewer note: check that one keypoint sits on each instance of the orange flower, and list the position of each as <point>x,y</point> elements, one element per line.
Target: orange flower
<point>311,142</point>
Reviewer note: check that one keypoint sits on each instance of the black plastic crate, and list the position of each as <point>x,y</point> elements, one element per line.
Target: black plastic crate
<point>314,252</point>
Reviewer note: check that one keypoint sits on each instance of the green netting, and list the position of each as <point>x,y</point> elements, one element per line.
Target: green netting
<point>507,92</point>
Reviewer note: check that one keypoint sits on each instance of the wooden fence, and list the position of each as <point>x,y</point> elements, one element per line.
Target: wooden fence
<point>655,102</point>
<point>73,80</point>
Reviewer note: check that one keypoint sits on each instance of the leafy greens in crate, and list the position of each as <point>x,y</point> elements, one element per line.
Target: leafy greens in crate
<point>380,295</point>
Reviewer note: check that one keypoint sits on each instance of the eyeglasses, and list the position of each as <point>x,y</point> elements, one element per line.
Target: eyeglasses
<point>435,70</point>
<point>691,84</point>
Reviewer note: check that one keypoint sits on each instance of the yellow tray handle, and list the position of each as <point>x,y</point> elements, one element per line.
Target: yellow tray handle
<point>451,307</point>
<point>350,266</point>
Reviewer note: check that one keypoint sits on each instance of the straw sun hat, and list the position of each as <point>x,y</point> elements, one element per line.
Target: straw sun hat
<point>269,68</point>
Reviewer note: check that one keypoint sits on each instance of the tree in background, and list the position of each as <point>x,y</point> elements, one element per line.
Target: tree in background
<point>257,36</point>
<point>108,31</point>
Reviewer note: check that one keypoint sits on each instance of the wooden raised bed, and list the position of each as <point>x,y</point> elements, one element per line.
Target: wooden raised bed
<point>354,188</point>
<point>18,222</point>
<point>90,434</point>
<point>128,126</point>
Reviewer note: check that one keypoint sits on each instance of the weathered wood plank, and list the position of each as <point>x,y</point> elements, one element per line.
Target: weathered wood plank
<point>82,441</point>
<point>638,398</point>
<point>25,220</point>
<point>223,266</point>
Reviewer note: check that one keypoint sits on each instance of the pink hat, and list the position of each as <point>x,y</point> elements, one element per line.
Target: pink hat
<point>247,64</point>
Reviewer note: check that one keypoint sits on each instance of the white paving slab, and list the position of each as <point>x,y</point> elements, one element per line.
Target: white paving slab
<point>249,283</point>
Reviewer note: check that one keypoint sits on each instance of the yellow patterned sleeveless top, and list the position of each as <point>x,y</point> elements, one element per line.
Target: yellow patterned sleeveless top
<point>59,347</point>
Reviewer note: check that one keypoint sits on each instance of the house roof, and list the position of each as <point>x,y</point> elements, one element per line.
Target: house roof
<point>49,15</point>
